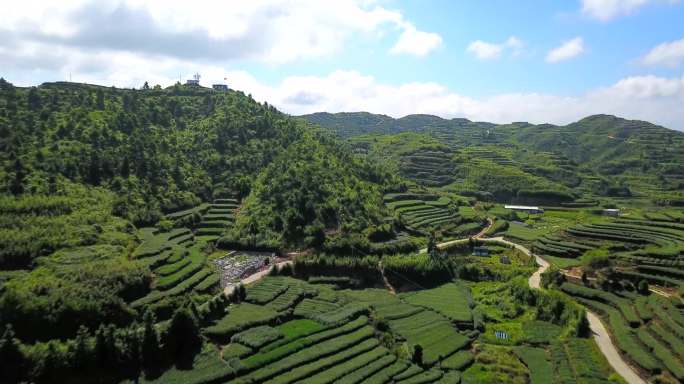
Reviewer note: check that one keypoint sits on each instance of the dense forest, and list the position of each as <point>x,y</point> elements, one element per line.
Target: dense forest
<point>83,166</point>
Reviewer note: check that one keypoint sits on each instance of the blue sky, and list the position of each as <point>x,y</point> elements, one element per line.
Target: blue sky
<point>494,60</point>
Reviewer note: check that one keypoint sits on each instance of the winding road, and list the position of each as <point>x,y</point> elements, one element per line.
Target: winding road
<point>601,335</point>
<point>479,235</point>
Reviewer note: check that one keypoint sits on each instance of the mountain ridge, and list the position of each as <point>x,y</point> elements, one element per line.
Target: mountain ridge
<point>320,115</point>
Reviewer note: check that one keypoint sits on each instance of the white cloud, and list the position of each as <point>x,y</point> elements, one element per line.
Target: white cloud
<point>415,42</point>
<point>669,54</point>
<point>651,98</point>
<point>488,51</point>
<point>273,31</point>
<point>606,10</point>
<point>568,50</point>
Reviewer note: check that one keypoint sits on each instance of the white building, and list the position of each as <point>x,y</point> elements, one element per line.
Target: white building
<point>611,212</point>
<point>194,82</point>
<point>524,208</point>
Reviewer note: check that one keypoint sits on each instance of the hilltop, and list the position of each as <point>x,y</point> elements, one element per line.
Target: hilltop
<point>601,154</point>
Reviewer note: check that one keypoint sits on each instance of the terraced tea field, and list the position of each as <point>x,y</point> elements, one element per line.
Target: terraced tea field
<point>427,166</point>
<point>177,262</point>
<point>423,214</point>
<point>220,215</point>
<point>291,331</point>
<point>207,219</point>
<point>649,250</point>
<point>649,330</point>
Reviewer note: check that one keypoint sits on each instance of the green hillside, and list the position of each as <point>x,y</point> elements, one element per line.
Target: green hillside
<point>84,168</point>
<point>597,156</point>
<point>129,220</point>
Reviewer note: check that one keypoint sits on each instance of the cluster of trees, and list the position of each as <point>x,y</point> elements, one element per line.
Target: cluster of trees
<point>35,225</point>
<point>363,268</point>
<point>159,150</point>
<point>310,195</point>
<point>420,270</point>
<point>44,303</point>
<point>551,306</point>
<point>110,353</point>
<point>82,166</point>
<point>165,150</point>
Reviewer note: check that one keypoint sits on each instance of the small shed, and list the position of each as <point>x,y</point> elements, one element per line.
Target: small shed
<point>505,259</point>
<point>611,212</point>
<point>480,251</point>
<point>501,335</point>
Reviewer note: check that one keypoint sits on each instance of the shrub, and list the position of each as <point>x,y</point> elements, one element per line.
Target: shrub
<point>257,337</point>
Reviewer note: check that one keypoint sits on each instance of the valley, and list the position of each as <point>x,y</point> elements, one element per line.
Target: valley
<point>189,235</point>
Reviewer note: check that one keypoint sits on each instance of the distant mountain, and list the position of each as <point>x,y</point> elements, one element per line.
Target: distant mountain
<point>625,154</point>
<point>348,124</point>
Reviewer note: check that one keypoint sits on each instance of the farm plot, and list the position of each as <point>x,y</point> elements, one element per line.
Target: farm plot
<point>178,265</point>
<point>578,361</point>
<point>452,300</point>
<point>329,338</point>
<point>654,341</point>
<point>537,361</point>
<point>423,214</point>
<point>434,333</point>
<point>218,217</point>
<point>650,250</point>
<point>427,166</point>
<point>155,242</point>
<point>240,317</point>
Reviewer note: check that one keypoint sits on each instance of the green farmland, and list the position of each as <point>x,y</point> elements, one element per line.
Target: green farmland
<point>187,234</point>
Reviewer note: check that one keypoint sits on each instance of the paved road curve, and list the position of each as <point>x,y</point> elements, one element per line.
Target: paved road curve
<point>606,346</point>
<point>479,235</point>
<point>601,335</point>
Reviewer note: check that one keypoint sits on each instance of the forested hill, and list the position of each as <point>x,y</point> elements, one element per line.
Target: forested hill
<point>600,154</point>
<point>349,124</point>
<point>153,151</point>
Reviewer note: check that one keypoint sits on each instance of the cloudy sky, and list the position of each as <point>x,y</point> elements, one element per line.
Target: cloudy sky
<point>491,60</point>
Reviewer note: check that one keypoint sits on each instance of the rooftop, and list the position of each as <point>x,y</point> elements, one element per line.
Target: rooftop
<point>526,207</point>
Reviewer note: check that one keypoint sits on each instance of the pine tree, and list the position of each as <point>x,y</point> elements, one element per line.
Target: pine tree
<point>417,357</point>
<point>125,168</point>
<point>34,102</point>
<point>17,184</point>
<point>105,347</point>
<point>94,169</point>
<point>11,358</point>
<point>150,348</point>
<point>81,350</point>
<point>432,245</point>
<point>183,337</point>
<point>100,100</point>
